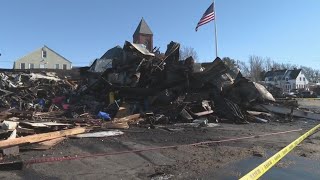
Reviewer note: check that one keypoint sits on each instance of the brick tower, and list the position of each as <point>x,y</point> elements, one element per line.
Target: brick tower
<point>143,35</point>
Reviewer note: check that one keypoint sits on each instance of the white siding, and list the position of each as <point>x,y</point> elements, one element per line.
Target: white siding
<point>303,83</point>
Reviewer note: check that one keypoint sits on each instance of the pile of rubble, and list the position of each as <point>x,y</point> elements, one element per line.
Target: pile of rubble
<point>31,92</point>
<point>131,86</point>
<point>177,90</point>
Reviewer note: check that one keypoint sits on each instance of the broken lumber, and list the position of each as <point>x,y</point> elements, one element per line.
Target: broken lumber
<point>40,137</point>
<point>116,125</point>
<point>128,119</point>
<point>287,111</point>
<point>11,150</point>
<point>122,112</point>
<point>257,119</point>
<point>257,113</point>
<point>204,113</point>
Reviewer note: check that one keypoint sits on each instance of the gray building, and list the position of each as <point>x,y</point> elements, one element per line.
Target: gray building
<point>42,58</point>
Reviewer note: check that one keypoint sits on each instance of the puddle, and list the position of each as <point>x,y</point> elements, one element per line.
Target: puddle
<point>291,167</point>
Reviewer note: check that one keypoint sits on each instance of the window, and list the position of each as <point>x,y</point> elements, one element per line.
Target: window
<point>288,86</point>
<point>300,79</point>
<point>22,66</point>
<point>44,54</point>
<point>304,79</point>
<point>64,66</point>
<point>57,66</point>
<point>287,79</point>
<point>31,66</point>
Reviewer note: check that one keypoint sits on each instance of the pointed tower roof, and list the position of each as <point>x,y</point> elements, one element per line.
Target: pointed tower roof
<point>143,28</point>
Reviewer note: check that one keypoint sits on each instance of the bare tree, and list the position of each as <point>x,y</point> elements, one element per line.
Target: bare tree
<point>231,63</point>
<point>268,64</point>
<point>244,68</point>
<point>276,66</point>
<point>186,52</point>
<point>312,74</point>
<point>288,66</point>
<point>256,68</point>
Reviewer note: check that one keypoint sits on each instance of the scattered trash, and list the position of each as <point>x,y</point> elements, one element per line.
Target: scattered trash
<point>104,115</point>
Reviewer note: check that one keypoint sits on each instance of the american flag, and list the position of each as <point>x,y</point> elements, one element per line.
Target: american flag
<point>207,17</point>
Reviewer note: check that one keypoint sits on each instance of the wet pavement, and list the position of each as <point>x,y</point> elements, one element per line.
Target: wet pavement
<point>290,167</point>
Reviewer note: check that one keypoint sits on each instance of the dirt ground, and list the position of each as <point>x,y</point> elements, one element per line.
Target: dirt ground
<point>183,162</point>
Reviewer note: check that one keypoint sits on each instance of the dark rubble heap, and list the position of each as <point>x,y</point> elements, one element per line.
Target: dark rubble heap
<point>131,86</point>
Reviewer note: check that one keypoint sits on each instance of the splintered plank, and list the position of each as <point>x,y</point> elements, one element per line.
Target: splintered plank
<point>128,119</point>
<point>116,125</point>
<point>40,137</point>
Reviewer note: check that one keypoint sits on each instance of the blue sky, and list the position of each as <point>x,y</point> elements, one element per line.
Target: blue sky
<point>82,30</point>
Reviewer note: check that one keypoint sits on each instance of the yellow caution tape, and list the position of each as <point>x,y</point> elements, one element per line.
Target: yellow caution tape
<point>265,166</point>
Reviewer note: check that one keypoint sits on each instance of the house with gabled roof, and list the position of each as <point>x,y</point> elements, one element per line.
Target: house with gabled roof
<point>287,80</point>
<point>43,58</point>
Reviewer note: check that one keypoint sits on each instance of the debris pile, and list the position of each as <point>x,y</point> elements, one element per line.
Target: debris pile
<point>32,92</point>
<point>130,86</point>
<point>170,89</point>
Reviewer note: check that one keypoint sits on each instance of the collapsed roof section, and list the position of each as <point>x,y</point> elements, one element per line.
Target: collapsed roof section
<point>118,56</point>
<point>128,46</point>
<point>113,53</point>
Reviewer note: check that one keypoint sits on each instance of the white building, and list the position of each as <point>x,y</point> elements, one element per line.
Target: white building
<point>287,80</point>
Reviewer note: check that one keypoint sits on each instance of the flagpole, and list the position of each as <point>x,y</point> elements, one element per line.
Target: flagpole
<point>215,28</point>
